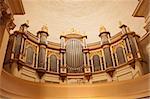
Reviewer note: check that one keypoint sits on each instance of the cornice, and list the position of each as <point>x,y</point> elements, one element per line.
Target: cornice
<point>144,36</point>
<point>141,9</point>
<point>16,7</point>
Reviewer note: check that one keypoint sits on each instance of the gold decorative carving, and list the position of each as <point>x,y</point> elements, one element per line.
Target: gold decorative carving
<point>120,23</point>
<point>49,53</point>
<point>44,28</point>
<point>121,44</point>
<point>72,31</point>
<point>113,49</point>
<point>99,53</point>
<point>102,29</point>
<point>32,45</point>
<point>118,44</point>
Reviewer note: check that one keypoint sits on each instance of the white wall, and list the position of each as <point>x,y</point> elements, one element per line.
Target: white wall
<point>85,15</point>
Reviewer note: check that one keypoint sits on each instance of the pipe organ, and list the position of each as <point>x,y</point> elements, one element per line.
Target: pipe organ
<point>73,60</point>
<point>74,56</point>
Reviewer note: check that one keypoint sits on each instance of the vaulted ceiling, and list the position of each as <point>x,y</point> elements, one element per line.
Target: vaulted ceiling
<point>83,15</point>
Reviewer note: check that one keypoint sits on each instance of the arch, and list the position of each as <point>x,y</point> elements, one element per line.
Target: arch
<point>29,55</point>
<point>53,63</point>
<point>96,62</point>
<point>120,55</point>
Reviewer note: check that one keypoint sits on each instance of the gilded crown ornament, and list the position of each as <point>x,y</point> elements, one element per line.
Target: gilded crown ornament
<point>44,28</point>
<point>73,30</point>
<point>102,29</point>
<point>63,33</point>
<point>84,33</point>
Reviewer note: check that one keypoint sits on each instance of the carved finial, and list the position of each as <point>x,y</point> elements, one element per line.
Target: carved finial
<point>120,23</point>
<point>27,22</point>
<point>23,27</point>
<point>72,30</point>
<point>63,33</point>
<point>128,30</point>
<point>84,33</point>
<point>102,29</point>
<point>44,28</point>
<point>78,32</point>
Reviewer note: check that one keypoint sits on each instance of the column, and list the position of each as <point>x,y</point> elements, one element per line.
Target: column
<point>116,59</point>
<point>128,45</point>
<point>41,69</point>
<point>84,56</point>
<point>61,59</point>
<point>92,65</point>
<point>105,39</point>
<point>136,46</point>
<point>37,56</point>
<point>113,61</point>
<point>129,54</point>
<point>125,56</point>
<point>22,48</point>
<point>42,53</point>
<point>84,42</point>
<point>126,50</point>
<point>101,63</point>
<point>63,56</point>
<point>88,59</point>
<point>45,59</point>
<point>65,60</point>
<point>22,45</point>
<point>63,68</point>
<point>57,65</point>
<point>13,49</point>
<point>126,30</point>
<point>104,60</point>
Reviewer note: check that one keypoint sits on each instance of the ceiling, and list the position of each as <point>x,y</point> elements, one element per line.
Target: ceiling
<point>83,15</point>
